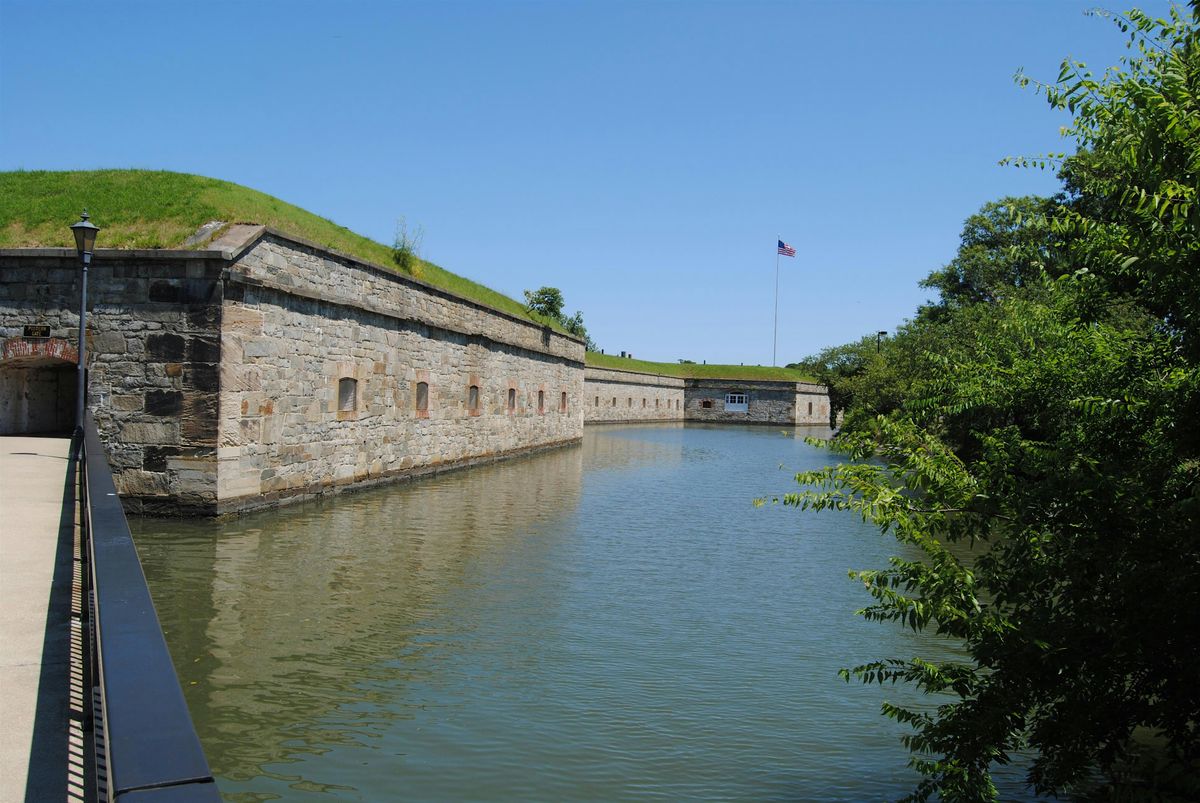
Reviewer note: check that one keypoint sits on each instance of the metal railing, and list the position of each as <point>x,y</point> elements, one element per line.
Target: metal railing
<point>146,748</point>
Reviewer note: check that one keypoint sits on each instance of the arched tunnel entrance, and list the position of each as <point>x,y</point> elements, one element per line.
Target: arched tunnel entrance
<point>37,386</point>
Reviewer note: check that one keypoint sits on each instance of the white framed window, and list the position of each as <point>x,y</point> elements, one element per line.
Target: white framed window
<point>736,403</point>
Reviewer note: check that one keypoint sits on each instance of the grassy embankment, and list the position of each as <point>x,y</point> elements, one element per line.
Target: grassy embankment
<point>160,209</point>
<point>694,371</point>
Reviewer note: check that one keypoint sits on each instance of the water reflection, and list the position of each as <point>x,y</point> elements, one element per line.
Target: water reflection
<point>613,621</point>
<point>279,618</point>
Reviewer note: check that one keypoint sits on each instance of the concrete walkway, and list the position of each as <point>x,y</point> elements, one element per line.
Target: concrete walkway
<point>37,544</point>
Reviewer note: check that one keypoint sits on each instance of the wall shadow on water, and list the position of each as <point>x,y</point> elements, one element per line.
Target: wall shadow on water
<point>279,620</point>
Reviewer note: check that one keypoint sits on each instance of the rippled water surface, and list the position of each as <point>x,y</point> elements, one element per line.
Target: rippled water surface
<point>603,622</point>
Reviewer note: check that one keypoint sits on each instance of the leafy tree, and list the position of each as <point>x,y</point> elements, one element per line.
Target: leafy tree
<point>1008,243</point>
<point>548,302</point>
<point>1136,175</point>
<point>1037,439</point>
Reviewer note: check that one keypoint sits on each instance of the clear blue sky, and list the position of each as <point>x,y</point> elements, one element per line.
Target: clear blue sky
<point>642,157</point>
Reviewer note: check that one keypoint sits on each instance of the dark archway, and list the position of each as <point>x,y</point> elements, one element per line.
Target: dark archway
<point>37,387</point>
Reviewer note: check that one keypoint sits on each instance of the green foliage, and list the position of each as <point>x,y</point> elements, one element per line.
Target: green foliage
<point>1136,175</point>
<point>1008,243</point>
<point>1036,437</point>
<point>406,248</point>
<point>575,326</point>
<point>1047,470</point>
<point>546,304</point>
<point>545,301</point>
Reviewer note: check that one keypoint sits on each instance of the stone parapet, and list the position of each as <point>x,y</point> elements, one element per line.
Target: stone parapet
<point>267,369</point>
<point>305,270</point>
<point>615,396</point>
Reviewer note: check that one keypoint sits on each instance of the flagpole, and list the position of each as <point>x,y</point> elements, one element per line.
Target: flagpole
<point>775,333</point>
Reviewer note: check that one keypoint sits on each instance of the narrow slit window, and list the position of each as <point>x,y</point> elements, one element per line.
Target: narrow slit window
<point>629,401</point>
<point>512,399</point>
<point>810,408</point>
<point>643,402</point>
<point>422,397</point>
<point>347,395</point>
<point>562,402</point>
<point>614,401</point>
<point>473,398</point>
<point>541,401</point>
<point>597,401</point>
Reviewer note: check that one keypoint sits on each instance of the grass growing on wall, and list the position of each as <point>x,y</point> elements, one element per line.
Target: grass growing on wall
<point>161,209</point>
<point>693,371</point>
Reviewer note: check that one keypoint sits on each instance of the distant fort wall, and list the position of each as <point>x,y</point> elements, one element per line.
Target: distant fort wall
<point>616,396</point>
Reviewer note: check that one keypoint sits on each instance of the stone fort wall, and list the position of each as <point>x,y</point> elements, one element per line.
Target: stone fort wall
<point>336,374</point>
<point>767,402</point>
<point>614,396</point>
<point>153,347</point>
<point>271,370</point>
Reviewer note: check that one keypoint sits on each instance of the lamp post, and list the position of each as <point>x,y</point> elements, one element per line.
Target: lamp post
<point>85,241</point>
<point>879,336</point>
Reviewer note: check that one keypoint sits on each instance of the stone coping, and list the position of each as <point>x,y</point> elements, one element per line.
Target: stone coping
<point>594,374</point>
<point>262,232</point>
<point>232,249</point>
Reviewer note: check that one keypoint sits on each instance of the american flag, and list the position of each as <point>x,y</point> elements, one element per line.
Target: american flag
<point>786,249</point>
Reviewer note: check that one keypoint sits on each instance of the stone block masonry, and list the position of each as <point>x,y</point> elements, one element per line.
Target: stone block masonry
<point>152,346</point>
<point>270,369</point>
<point>614,397</point>
<point>756,402</point>
<point>329,382</point>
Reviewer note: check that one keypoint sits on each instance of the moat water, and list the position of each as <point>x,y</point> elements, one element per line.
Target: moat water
<point>613,621</point>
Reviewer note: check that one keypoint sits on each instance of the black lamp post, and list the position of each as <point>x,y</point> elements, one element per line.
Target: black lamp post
<point>879,336</point>
<point>85,241</point>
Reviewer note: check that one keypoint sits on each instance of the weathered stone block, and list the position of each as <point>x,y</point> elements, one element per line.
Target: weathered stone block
<point>142,483</point>
<point>164,402</point>
<point>158,433</point>
<point>166,347</point>
<point>126,403</point>
<point>154,458</point>
<point>108,343</point>
<point>203,349</point>
<point>198,422</point>
<point>201,376</point>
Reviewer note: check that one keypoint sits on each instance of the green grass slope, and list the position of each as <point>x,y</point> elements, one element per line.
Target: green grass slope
<point>692,371</point>
<point>161,209</point>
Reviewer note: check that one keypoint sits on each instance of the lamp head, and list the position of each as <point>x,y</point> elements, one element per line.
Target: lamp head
<point>85,234</point>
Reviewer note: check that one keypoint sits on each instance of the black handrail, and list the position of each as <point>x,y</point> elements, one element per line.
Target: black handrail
<point>145,740</point>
